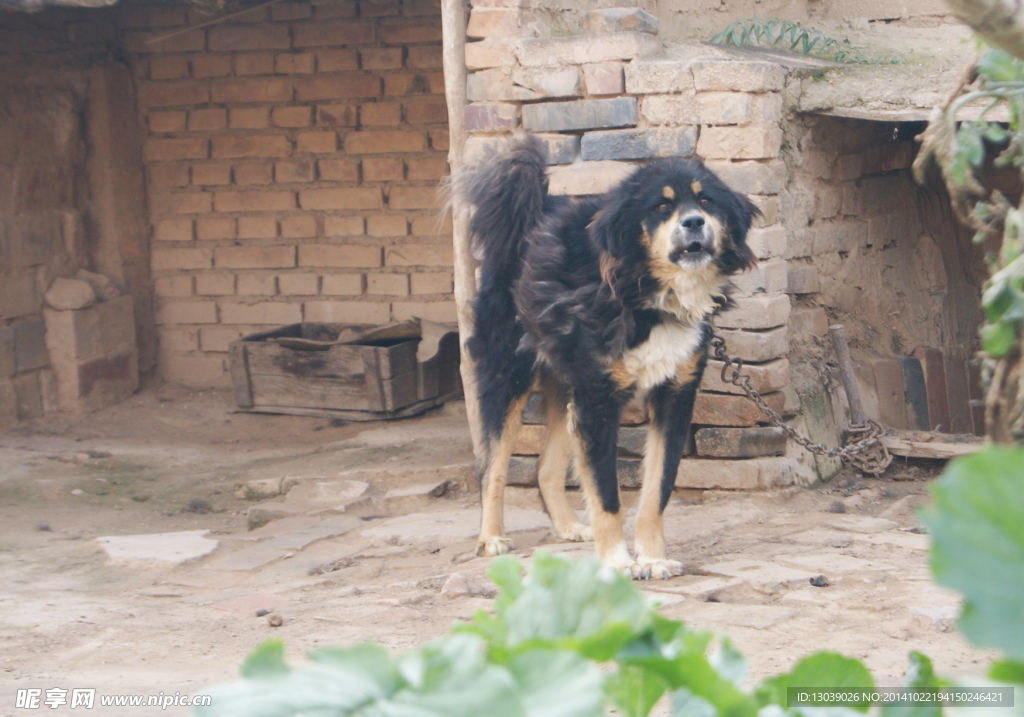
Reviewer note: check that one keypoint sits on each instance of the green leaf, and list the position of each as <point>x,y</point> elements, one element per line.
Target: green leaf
<point>506,572</point>
<point>920,676</point>
<point>633,691</point>
<point>998,339</point>
<point>267,660</point>
<point>370,661</point>
<point>555,683</point>
<point>1007,671</point>
<point>821,670</point>
<point>729,663</point>
<point>977,528</point>
<point>686,704</point>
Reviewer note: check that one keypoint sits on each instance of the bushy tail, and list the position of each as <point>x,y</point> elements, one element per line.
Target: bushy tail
<point>508,191</point>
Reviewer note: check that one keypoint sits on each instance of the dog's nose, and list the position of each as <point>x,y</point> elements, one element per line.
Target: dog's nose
<point>693,222</point>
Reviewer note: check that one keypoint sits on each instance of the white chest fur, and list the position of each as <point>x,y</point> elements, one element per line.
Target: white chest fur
<point>656,360</point>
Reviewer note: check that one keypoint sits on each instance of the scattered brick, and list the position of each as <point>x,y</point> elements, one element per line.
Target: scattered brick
<point>348,312</point>
<point>215,284</point>
<point>345,198</point>
<point>292,116</point>
<point>268,145</point>
<point>580,114</point>
<point>254,257</point>
<point>342,285</point>
<point>338,170</point>
<point>347,256</point>
<point>333,87</point>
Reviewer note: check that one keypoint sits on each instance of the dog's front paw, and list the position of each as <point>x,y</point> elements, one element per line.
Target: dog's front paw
<point>494,546</point>
<point>658,568</point>
<point>621,562</point>
<point>577,533</point>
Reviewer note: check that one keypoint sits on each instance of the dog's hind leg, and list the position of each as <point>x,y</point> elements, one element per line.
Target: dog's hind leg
<point>593,426</point>
<point>554,461</point>
<point>672,408</point>
<point>492,539</point>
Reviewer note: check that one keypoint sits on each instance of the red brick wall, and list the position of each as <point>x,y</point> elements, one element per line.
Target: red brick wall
<point>292,157</point>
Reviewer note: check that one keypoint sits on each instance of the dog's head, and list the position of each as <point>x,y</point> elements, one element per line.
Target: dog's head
<point>685,219</point>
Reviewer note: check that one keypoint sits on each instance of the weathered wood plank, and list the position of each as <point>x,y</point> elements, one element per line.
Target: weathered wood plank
<point>240,373</point>
<point>288,390</point>
<point>904,445</point>
<point>337,362</point>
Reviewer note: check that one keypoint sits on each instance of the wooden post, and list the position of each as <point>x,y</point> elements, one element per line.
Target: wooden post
<point>453,28</point>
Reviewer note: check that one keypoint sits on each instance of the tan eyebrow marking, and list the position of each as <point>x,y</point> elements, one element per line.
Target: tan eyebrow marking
<point>668,192</point>
<point>696,186</point>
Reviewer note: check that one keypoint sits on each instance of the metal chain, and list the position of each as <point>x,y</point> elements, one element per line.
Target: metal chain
<point>868,454</point>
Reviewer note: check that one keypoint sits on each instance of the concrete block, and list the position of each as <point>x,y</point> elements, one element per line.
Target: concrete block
<point>769,277</point>
<point>803,280</point>
<point>587,177</point>
<point>548,81</point>
<point>7,361</point>
<point>749,474</point>
<point>491,117</point>
<point>638,143</point>
<point>765,377</point>
<point>580,114</point>
<point>767,242</point>
<point>30,345</point>
<point>935,388</point>
<point>620,19</point>
<point>756,345</point>
<point>808,321</point>
<point>738,76</point>
<point>915,393</point>
<point>94,354</point>
<point>562,148</point>
<point>724,409</point>
<point>654,77</point>
<point>751,177</point>
<point>755,312</point>
<point>717,442</point>
<point>749,142</point>
<point>581,49</point>
<point>604,78</point>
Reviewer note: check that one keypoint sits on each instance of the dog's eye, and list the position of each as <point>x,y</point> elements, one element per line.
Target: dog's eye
<point>704,201</point>
<point>663,207</point>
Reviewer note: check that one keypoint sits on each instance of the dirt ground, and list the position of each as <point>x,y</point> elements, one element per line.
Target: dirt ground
<point>172,460</point>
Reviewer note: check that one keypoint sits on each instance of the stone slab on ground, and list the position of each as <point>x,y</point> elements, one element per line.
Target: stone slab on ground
<point>833,563</point>
<point>301,537</point>
<point>450,526</point>
<point>911,541</point>
<point>327,495</point>
<point>173,548</point>
<point>763,576</point>
<point>860,523</point>
<point>697,587</point>
<point>829,538</point>
<point>717,616</point>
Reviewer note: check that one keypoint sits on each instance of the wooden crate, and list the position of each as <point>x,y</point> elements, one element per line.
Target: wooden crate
<point>363,381</point>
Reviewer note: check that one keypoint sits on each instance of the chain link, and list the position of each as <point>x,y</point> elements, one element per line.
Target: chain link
<point>867,454</point>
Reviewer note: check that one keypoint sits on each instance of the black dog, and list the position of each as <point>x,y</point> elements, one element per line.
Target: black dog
<point>595,301</point>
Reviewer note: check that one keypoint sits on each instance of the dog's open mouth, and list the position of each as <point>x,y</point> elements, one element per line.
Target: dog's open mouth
<point>689,255</point>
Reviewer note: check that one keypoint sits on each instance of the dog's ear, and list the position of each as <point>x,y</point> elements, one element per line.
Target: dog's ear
<point>616,228</point>
<point>743,213</point>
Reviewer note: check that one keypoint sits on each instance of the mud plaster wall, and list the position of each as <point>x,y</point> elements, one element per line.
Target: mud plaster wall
<point>70,186</point>
<point>877,253</point>
<point>292,159</point>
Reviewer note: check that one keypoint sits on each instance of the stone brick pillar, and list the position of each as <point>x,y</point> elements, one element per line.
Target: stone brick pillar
<point>602,101</point>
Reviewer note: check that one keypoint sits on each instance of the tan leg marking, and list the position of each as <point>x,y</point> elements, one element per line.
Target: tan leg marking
<point>554,461</point>
<point>492,539</point>
<point>650,531</point>
<point>609,540</point>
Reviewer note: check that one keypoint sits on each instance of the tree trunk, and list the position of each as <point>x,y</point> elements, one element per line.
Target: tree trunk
<point>1001,22</point>
<point>453,23</point>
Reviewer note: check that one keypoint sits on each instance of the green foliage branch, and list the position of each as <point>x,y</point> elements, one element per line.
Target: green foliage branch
<point>971,154</point>
<point>575,639</point>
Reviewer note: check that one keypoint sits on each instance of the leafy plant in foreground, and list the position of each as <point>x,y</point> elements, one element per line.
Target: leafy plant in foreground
<point>573,639</point>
